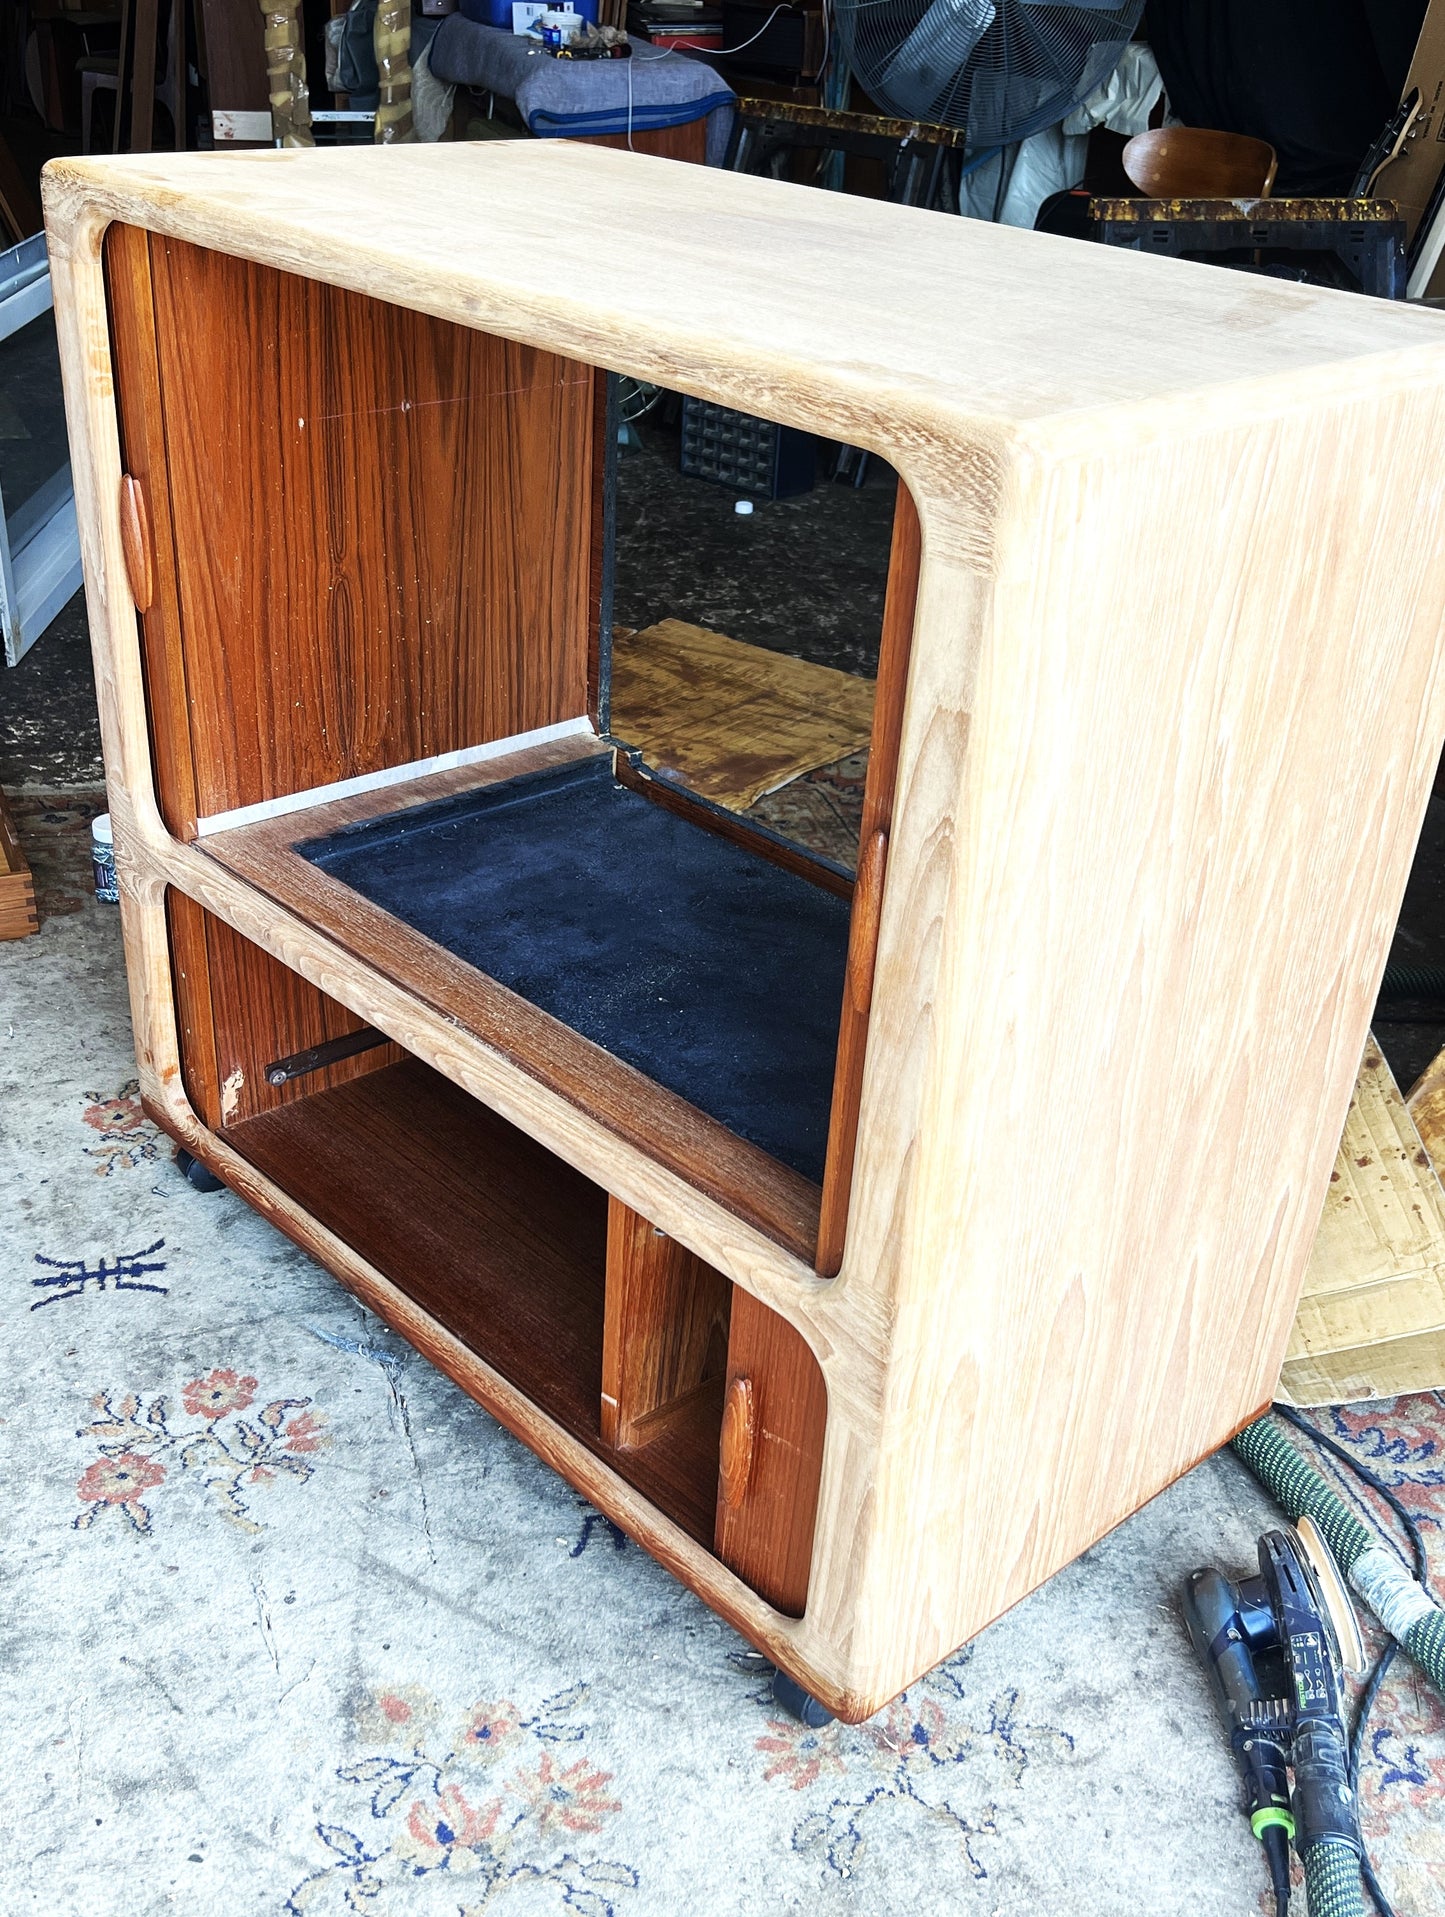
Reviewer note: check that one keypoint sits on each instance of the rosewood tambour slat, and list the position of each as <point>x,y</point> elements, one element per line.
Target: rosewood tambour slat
<point>1159,706</point>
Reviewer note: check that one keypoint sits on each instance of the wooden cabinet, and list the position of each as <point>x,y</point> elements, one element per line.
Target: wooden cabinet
<point>866,1246</point>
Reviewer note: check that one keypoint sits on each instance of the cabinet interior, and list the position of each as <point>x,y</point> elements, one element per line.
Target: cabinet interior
<point>620,1335</point>
<point>377,654</point>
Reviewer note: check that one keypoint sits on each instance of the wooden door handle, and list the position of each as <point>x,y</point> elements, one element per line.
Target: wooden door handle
<point>735,1451</point>
<point>135,540</point>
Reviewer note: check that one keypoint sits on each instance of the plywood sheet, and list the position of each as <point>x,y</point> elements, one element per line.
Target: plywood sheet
<point>1371,1320</point>
<point>728,720</point>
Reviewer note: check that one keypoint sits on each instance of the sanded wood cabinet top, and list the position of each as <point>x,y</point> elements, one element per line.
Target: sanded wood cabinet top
<point>803,305</point>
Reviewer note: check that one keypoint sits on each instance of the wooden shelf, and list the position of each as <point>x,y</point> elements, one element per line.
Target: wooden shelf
<point>499,1241</point>
<point>752,1183</point>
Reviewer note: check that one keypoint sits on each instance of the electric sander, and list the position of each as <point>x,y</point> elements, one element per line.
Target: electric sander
<point>1276,1648</point>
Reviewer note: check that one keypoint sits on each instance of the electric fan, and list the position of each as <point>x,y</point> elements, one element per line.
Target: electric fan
<point>998,69</point>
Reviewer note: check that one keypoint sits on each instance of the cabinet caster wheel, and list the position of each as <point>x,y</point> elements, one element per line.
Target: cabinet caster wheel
<point>799,1703</point>
<point>195,1173</point>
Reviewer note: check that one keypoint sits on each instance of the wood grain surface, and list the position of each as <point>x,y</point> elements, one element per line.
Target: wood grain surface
<point>361,576</point>
<point>488,1232</point>
<point>731,721</point>
<point>18,916</point>
<point>838,316</point>
<point>240,1011</point>
<point>774,1416</point>
<point>131,314</point>
<point>666,1337</point>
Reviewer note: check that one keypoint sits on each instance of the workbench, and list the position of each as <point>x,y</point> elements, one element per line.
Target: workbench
<point>1159,702</point>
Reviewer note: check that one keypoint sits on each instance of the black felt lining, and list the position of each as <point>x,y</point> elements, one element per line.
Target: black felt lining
<point>715,972</point>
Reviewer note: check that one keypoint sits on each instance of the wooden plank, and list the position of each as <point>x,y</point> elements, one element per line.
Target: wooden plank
<point>773,314</point>
<point>233,58</point>
<point>18,914</point>
<point>765,1530</point>
<point>666,1337</point>
<point>1371,1318</point>
<point>388,613</point>
<point>730,721</point>
<point>140,84</point>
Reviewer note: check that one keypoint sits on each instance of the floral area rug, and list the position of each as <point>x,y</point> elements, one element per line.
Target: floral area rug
<point>822,810</point>
<point>290,1626</point>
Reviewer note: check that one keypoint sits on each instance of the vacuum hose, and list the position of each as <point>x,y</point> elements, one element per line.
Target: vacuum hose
<point>1332,1880</point>
<point>1398,1600</point>
<point>1412,981</point>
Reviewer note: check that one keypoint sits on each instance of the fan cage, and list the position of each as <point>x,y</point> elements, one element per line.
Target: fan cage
<point>998,70</point>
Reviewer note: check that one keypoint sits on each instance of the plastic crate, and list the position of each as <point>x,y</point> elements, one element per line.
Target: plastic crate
<point>749,455</point>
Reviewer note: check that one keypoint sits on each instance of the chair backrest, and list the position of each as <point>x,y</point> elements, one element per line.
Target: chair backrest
<point>1199,163</point>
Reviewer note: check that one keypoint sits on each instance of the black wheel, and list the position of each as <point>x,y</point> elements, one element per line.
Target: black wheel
<point>195,1173</point>
<point>799,1703</point>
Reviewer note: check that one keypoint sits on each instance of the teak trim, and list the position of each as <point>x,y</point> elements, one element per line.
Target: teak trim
<point>736,1174</point>
<point>894,649</point>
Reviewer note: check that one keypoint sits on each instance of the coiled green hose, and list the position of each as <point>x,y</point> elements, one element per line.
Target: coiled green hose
<point>1412,981</point>
<point>1397,1599</point>
<point>1332,1880</point>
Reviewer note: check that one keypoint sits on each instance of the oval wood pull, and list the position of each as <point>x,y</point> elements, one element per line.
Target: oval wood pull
<point>867,912</point>
<point>735,1452</point>
<point>135,540</point>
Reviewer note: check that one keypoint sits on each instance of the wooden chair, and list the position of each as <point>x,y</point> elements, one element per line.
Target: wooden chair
<point>1199,163</point>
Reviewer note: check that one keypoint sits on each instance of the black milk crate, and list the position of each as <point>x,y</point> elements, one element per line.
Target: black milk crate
<point>750,455</point>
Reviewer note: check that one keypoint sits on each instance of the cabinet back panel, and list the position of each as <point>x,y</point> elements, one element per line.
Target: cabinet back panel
<point>239,1009</point>
<point>382,527</point>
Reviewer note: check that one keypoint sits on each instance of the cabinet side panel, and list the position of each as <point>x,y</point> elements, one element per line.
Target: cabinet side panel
<point>1207,709</point>
<point>382,527</point>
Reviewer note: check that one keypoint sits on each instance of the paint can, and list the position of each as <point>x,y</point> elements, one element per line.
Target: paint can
<point>102,860</point>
